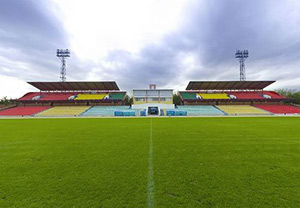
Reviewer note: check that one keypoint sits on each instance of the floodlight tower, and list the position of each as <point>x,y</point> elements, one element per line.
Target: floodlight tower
<point>242,56</point>
<point>63,54</point>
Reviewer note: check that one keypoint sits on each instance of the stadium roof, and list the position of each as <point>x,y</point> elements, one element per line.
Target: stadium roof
<point>228,85</point>
<point>75,86</point>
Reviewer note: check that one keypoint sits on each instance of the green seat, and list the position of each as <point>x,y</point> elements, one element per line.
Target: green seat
<point>188,95</point>
<point>117,96</point>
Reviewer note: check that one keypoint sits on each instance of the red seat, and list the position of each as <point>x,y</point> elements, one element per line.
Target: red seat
<point>23,110</point>
<point>246,95</point>
<point>256,95</point>
<point>280,109</point>
<point>47,96</point>
<point>30,95</point>
<point>273,95</point>
<point>57,96</point>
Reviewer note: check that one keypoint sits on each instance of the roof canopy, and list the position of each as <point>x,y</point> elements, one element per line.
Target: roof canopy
<point>228,85</point>
<point>75,86</point>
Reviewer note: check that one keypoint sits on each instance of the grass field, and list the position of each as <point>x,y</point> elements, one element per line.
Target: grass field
<point>150,162</point>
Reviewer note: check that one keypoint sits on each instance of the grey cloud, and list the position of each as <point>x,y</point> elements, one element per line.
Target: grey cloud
<point>29,35</point>
<point>212,32</point>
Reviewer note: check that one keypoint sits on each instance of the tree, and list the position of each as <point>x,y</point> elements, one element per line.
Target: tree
<point>5,101</point>
<point>128,100</point>
<point>176,99</point>
<point>293,94</point>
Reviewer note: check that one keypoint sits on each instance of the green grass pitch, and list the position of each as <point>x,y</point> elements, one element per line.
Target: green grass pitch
<point>150,162</point>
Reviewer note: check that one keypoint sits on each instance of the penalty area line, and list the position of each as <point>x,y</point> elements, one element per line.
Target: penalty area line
<point>150,187</point>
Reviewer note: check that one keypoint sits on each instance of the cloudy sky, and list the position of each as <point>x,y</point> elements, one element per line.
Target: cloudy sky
<point>138,42</point>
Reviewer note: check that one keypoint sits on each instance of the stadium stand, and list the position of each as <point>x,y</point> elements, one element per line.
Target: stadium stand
<point>23,110</point>
<point>38,96</point>
<point>236,95</point>
<point>223,92</point>
<point>260,95</point>
<point>273,95</point>
<point>64,111</point>
<point>280,109</point>
<point>188,95</point>
<point>57,96</point>
<point>97,96</point>
<point>241,110</point>
<point>245,95</point>
<point>104,110</point>
<point>201,98</point>
<point>69,99</point>
<point>213,96</point>
<point>3,107</point>
<point>74,93</point>
<point>31,95</point>
<point>117,96</point>
<point>200,110</point>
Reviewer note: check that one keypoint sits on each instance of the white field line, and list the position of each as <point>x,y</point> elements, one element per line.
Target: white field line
<point>150,187</point>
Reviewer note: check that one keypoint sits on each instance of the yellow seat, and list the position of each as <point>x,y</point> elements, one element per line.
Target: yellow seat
<point>64,111</point>
<point>90,96</point>
<point>213,95</point>
<point>241,110</point>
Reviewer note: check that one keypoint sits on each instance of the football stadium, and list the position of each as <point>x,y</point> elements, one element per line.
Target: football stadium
<point>76,144</point>
<point>156,111</point>
<point>105,99</point>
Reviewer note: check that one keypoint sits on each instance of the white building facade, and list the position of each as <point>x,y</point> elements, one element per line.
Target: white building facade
<point>154,101</point>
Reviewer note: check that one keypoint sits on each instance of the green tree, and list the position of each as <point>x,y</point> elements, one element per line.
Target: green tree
<point>5,101</point>
<point>128,100</point>
<point>176,99</point>
<point>293,94</point>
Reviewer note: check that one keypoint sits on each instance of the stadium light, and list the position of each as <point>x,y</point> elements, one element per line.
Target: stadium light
<point>63,54</point>
<point>242,56</point>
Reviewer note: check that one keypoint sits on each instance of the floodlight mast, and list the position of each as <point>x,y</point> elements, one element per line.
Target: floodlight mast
<point>242,56</point>
<point>63,54</point>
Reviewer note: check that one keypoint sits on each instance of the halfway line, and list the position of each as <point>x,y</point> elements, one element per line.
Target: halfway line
<point>150,171</point>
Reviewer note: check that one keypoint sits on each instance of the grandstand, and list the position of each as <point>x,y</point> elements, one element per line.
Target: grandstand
<point>245,95</point>
<point>74,93</point>
<point>64,111</point>
<point>224,92</point>
<point>98,96</point>
<point>238,96</point>
<point>201,110</point>
<point>23,110</point>
<point>212,96</point>
<point>105,110</point>
<point>201,98</point>
<point>66,98</point>
<point>57,96</point>
<point>242,110</point>
<point>280,109</point>
<point>234,98</point>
